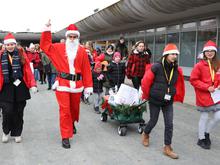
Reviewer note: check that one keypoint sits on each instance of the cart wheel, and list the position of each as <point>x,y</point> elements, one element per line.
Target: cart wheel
<point>104,117</point>
<point>122,131</point>
<point>140,129</point>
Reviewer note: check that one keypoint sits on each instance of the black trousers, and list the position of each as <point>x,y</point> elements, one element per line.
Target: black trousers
<point>136,82</point>
<point>12,121</point>
<point>168,121</point>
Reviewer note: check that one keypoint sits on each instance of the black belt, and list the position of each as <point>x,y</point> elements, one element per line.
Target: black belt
<point>67,76</point>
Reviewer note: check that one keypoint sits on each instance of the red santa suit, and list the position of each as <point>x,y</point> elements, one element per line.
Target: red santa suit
<point>68,92</point>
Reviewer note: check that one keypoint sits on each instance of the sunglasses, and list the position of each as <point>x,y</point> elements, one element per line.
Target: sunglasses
<point>73,37</point>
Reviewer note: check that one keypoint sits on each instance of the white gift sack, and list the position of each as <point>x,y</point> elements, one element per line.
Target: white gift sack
<point>126,95</point>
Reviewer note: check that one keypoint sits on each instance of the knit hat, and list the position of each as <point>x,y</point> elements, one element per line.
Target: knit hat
<point>210,45</point>
<point>117,54</point>
<point>170,49</point>
<point>72,29</point>
<point>97,65</point>
<point>110,47</point>
<point>9,38</point>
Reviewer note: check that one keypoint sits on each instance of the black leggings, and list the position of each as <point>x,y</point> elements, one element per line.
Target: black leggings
<point>13,117</point>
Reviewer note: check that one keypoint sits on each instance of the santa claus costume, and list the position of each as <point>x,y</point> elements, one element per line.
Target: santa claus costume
<point>74,74</point>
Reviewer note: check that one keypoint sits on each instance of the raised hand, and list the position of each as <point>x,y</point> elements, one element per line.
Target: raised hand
<point>48,24</point>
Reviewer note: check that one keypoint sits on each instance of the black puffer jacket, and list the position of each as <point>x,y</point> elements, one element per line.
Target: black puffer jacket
<point>160,85</point>
<point>116,73</point>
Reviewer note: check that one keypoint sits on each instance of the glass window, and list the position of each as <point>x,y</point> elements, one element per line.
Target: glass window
<point>209,22</point>
<point>189,25</point>
<point>140,36</point>
<point>173,27</point>
<point>173,38</point>
<point>204,36</point>
<point>149,40</point>
<point>161,29</point>
<point>150,30</point>
<point>131,43</point>
<point>159,46</point>
<point>187,49</point>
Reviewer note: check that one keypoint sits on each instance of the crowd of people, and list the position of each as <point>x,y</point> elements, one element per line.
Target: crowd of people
<point>76,71</point>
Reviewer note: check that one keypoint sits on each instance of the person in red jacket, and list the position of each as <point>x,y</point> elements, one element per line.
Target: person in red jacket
<point>205,78</point>
<point>34,57</point>
<point>16,79</point>
<point>162,84</point>
<point>74,74</point>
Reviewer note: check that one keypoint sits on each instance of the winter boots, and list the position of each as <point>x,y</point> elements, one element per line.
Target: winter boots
<point>168,151</point>
<point>145,139</point>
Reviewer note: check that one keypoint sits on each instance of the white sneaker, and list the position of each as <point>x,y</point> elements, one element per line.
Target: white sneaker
<point>5,138</point>
<point>18,139</point>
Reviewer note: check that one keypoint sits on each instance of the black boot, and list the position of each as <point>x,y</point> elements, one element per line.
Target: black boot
<point>203,143</point>
<point>207,138</point>
<point>66,143</point>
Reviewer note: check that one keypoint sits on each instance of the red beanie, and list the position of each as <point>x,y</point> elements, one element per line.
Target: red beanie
<point>117,54</point>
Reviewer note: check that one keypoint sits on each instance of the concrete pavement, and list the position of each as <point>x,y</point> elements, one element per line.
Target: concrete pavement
<point>98,143</point>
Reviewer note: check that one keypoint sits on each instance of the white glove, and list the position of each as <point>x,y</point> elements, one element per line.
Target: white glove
<point>86,95</point>
<point>34,89</point>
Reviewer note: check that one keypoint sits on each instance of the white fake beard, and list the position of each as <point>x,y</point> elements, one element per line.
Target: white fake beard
<point>71,47</point>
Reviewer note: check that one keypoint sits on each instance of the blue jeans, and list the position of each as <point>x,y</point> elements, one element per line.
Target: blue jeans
<point>36,74</point>
<point>51,79</point>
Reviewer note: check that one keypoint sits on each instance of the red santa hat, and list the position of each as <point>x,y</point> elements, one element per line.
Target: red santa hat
<point>170,49</point>
<point>116,54</point>
<point>72,29</point>
<point>9,38</point>
<point>97,65</point>
<point>210,45</point>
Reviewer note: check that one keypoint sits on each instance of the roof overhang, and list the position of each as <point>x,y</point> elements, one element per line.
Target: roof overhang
<point>130,15</point>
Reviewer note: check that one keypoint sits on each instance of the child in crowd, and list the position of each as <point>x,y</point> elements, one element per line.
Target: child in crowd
<point>98,79</point>
<point>116,71</point>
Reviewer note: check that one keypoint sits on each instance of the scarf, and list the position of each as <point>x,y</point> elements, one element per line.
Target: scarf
<point>16,65</point>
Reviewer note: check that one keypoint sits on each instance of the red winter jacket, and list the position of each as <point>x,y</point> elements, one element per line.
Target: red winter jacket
<point>148,80</point>
<point>28,77</point>
<point>35,58</point>
<point>200,79</point>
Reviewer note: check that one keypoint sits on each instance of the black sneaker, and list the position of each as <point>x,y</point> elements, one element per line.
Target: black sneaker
<point>202,143</point>
<point>207,138</point>
<point>65,143</point>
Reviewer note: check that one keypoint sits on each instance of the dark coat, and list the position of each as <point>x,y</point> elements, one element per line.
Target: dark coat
<point>97,84</point>
<point>160,85</point>
<point>116,73</point>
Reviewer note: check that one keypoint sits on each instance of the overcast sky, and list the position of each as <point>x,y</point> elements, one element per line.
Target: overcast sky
<point>20,15</point>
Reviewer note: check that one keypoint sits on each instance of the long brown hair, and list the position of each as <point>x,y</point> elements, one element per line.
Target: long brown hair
<point>21,54</point>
